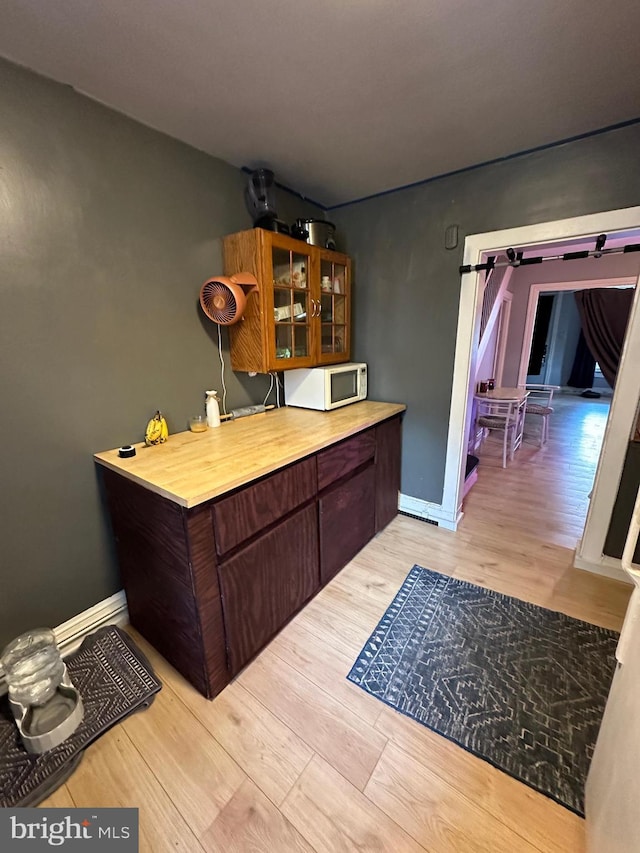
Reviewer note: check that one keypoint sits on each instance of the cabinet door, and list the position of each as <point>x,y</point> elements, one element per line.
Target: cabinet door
<point>290,270</point>
<point>267,582</point>
<point>388,452</point>
<point>335,308</point>
<point>347,521</point>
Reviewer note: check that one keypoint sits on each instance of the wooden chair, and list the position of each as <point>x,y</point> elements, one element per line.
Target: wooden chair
<point>539,404</point>
<point>506,416</point>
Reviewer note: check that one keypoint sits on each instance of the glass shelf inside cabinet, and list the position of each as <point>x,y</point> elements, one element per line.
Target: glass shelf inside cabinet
<point>290,303</point>
<point>290,269</point>
<point>333,338</point>
<point>333,307</point>
<point>332,277</point>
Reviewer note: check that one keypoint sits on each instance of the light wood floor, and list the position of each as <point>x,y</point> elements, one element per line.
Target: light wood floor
<point>293,757</point>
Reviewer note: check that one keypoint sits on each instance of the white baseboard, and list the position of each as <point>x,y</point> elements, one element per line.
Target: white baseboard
<point>609,567</point>
<point>111,611</point>
<point>69,635</point>
<point>428,510</point>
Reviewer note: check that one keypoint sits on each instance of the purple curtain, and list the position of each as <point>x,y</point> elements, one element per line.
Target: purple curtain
<point>604,314</point>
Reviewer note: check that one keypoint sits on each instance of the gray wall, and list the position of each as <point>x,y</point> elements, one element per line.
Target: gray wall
<point>107,231</point>
<point>407,284</point>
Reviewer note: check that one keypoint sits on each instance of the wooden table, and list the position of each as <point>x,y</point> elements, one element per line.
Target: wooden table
<point>505,394</point>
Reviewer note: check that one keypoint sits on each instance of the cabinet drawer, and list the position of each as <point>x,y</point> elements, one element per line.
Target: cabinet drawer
<point>267,582</point>
<point>250,510</point>
<point>337,461</point>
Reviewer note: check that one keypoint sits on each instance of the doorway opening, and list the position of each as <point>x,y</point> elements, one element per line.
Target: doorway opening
<point>557,342</point>
<point>539,237</point>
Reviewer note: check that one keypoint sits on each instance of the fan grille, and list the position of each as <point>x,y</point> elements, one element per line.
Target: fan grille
<point>219,303</point>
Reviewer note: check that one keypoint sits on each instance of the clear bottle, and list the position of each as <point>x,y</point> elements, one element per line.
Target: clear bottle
<point>212,407</point>
<point>33,667</point>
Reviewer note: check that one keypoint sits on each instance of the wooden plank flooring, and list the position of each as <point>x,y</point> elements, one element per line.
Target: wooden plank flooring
<point>293,757</point>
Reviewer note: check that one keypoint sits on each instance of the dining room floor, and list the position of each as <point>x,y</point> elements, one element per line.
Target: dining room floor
<point>556,478</point>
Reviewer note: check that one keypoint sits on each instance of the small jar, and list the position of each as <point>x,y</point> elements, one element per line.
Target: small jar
<point>491,384</point>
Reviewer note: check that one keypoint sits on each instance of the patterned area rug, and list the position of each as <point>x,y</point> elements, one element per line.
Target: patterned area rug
<point>114,680</point>
<point>522,687</point>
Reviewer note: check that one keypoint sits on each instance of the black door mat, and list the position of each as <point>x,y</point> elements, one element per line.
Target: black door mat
<point>114,680</point>
<point>520,686</point>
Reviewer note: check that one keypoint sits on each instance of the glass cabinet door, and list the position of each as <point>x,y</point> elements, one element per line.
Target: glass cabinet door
<point>292,304</point>
<point>334,319</point>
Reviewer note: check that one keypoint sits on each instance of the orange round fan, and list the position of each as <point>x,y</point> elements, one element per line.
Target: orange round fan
<point>223,299</point>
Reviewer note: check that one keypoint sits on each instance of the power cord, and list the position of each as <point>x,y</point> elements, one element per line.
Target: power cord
<point>224,386</point>
<point>264,402</point>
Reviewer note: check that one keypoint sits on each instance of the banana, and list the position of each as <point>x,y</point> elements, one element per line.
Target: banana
<point>156,431</point>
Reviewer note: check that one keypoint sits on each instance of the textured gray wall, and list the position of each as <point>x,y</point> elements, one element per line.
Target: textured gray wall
<point>408,286</point>
<point>107,231</point>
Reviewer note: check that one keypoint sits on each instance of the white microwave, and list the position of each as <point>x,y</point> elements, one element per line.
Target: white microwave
<point>326,387</point>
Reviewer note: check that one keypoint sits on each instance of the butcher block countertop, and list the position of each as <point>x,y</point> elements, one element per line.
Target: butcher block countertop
<point>192,468</point>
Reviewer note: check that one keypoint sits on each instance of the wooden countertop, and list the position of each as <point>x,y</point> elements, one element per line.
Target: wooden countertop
<point>192,468</point>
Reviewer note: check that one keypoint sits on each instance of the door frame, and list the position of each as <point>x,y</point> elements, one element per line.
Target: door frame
<point>620,420</point>
<point>557,287</point>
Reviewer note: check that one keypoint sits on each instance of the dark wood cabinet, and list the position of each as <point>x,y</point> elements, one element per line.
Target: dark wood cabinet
<point>265,583</point>
<point>167,562</point>
<point>342,458</point>
<point>347,521</point>
<point>388,447</point>
<point>248,511</point>
<point>209,585</point>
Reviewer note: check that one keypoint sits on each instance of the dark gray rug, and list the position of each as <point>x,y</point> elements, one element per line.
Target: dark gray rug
<point>520,686</point>
<point>114,679</point>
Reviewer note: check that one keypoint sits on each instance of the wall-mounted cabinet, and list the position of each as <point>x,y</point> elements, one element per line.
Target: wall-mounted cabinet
<point>301,315</point>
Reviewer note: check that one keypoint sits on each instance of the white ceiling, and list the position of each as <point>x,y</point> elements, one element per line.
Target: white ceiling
<point>343,98</point>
